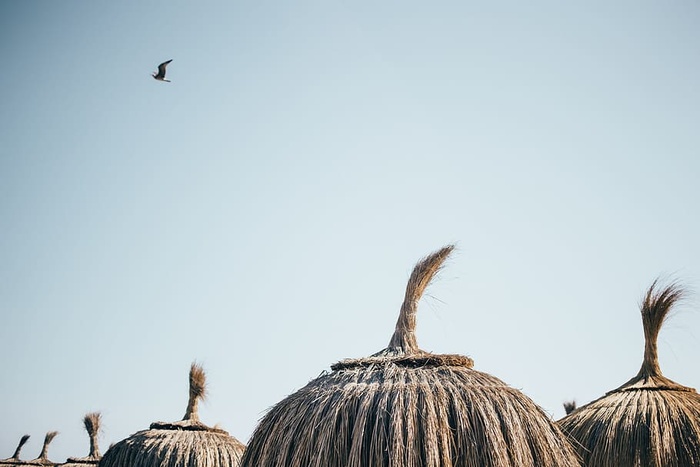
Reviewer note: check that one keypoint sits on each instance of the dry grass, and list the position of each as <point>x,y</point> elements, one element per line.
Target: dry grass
<point>198,390</point>
<point>404,338</point>
<point>648,421</point>
<point>185,443</point>
<point>15,457</point>
<point>43,458</point>
<point>403,407</point>
<point>388,415</point>
<point>175,448</point>
<point>569,407</point>
<point>92,422</point>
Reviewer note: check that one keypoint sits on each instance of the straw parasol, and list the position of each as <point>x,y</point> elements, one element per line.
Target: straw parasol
<point>185,443</point>
<point>15,457</point>
<point>404,407</point>
<point>43,459</point>
<point>569,407</point>
<point>648,421</point>
<point>92,423</point>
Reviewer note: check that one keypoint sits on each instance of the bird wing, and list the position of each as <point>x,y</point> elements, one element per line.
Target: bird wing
<point>161,68</point>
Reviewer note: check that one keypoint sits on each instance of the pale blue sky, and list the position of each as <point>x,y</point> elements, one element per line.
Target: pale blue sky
<point>262,212</point>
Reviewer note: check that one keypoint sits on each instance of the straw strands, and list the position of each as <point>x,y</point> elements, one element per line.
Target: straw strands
<point>92,422</point>
<point>404,407</point>
<point>569,407</point>
<point>15,457</point>
<point>43,458</point>
<point>186,443</point>
<point>648,421</point>
<point>175,448</point>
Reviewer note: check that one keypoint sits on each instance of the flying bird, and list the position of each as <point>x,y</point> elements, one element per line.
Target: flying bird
<point>160,76</point>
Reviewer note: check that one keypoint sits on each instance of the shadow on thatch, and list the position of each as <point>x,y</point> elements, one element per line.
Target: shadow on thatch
<point>92,423</point>
<point>185,443</point>
<point>404,407</point>
<point>648,421</point>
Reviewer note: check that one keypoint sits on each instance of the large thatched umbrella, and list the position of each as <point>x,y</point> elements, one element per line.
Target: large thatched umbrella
<point>648,421</point>
<point>186,443</point>
<point>92,426</point>
<point>403,407</point>
<point>15,457</point>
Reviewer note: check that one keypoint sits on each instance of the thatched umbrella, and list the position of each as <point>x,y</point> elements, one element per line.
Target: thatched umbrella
<point>15,457</point>
<point>648,421</point>
<point>404,407</point>
<point>92,426</point>
<point>186,443</point>
<point>569,407</point>
<point>43,459</point>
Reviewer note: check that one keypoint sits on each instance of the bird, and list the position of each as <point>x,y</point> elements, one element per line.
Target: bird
<point>160,76</point>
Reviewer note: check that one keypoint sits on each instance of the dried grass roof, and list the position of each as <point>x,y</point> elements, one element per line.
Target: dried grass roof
<point>648,421</point>
<point>404,407</point>
<point>185,443</point>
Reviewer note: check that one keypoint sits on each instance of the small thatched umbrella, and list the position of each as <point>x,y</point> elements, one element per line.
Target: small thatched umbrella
<point>648,421</point>
<point>186,443</point>
<point>404,407</point>
<point>43,458</point>
<point>92,426</point>
<point>569,407</point>
<point>15,457</point>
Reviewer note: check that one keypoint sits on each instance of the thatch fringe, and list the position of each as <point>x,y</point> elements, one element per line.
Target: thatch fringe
<point>175,448</point>
<point>569,407</point>
<point>15,457</point>
<point>648,421</point>
<point>404,407</point>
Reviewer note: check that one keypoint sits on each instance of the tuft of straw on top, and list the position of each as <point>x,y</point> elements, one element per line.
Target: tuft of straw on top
<point>569,407</point>
<point>43,457</point>
<point>655,309</point>
<point>22,442</point>
<point>404,339</point>
<point>92,425</point>
<point>198,391</point>
<point>15,457</point>
<point>403,347</point>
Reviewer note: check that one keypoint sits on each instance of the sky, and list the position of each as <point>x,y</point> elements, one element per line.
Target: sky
<point>262,212</point>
